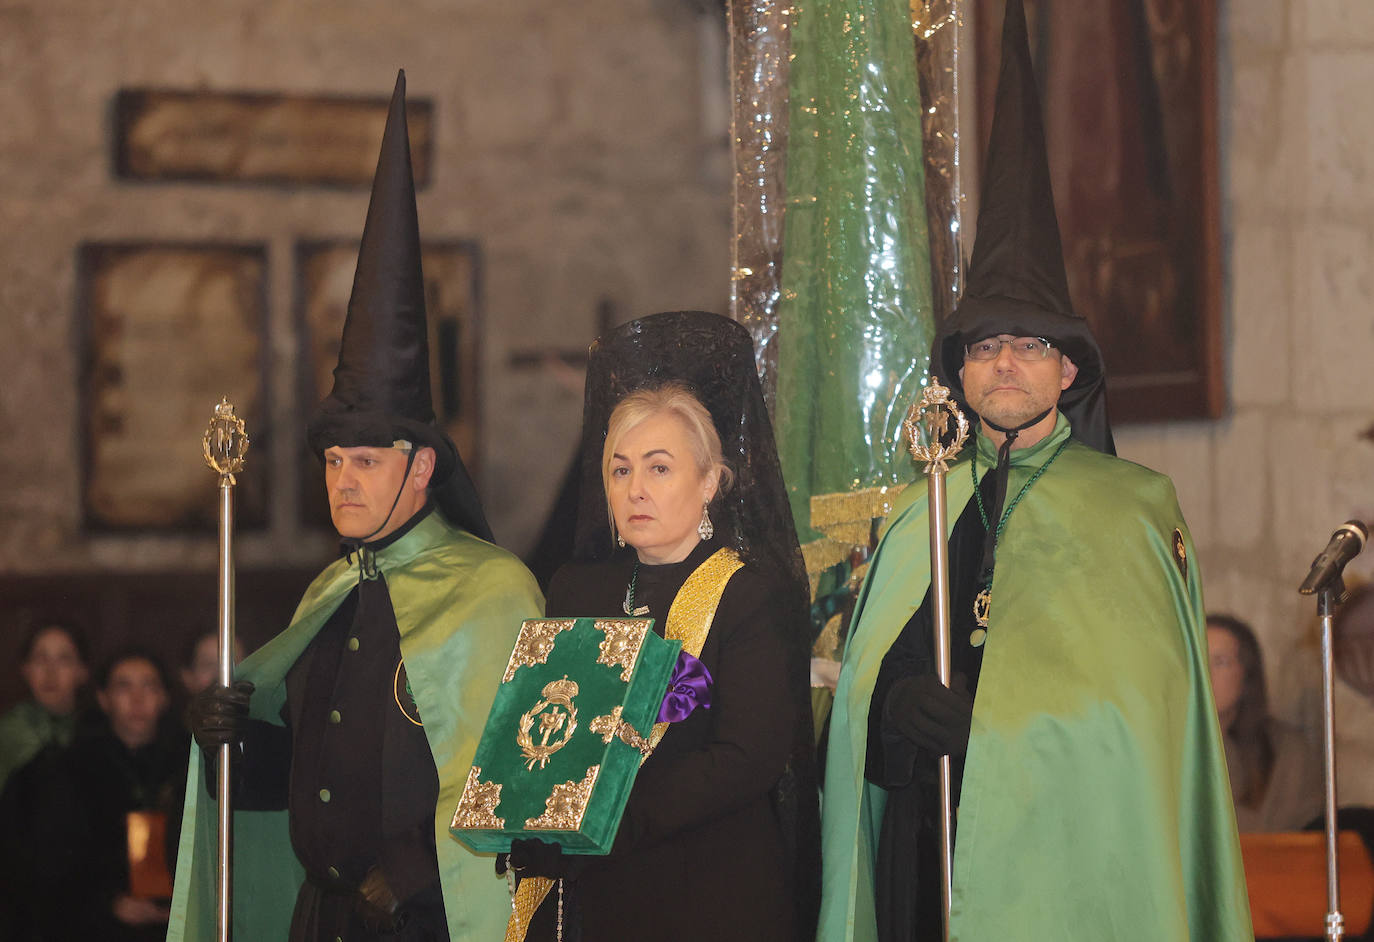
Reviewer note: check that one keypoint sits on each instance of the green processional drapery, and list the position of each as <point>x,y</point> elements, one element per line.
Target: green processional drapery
<point>855,314</point>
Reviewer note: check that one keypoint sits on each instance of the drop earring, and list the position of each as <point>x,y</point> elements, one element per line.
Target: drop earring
<point>705,529</point>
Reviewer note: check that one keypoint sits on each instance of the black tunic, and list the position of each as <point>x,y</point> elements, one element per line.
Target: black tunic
<point>362,784</point>
<point>907,867</point>
<point>699,854</point>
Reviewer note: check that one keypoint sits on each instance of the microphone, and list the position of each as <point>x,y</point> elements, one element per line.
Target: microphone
<point>1345,545</point>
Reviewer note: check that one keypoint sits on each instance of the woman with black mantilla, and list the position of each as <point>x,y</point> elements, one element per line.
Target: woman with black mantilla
<point>719,837</point>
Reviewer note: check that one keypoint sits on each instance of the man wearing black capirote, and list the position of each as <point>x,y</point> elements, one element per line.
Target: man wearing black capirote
<point>361,718</point>
<point>1087,770</point>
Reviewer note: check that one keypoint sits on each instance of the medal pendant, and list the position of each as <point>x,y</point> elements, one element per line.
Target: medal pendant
<point>981,605</point>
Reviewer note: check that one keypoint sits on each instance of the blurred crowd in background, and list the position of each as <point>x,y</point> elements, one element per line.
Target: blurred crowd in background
<point>93,764</point>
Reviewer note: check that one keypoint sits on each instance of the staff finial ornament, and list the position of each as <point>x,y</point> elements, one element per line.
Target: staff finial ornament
<point>225,442</point>
<point>927,425</point>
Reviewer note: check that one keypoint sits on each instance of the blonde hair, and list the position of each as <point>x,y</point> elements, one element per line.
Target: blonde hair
<point>678,401</point>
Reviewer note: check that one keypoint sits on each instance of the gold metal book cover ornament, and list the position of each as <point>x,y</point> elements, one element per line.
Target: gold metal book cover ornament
<point>477,807</point>
<point>534,643</point>
<point>927,425</point>
<point>611,725</point>
<point>225,443</point>
<point>624,637</point>
<point>562,718</point>
<point>566,804</point>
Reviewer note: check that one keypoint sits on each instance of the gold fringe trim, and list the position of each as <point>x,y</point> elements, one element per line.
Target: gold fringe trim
<point>829,510</point>
<point>820,555</point>
<point>846,520</point>
<point>828,641</point>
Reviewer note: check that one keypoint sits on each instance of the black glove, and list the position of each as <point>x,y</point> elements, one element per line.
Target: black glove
<point>535,858</point>
<point>377,905</point>
<point>219,715</point>
<point>934,717</point>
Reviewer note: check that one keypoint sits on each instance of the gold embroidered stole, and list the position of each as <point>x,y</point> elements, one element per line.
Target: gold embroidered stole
<point>694,609</point>
<point>689,621</point>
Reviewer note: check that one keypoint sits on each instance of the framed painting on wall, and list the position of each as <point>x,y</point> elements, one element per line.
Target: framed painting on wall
<point>1129,94</point>
<point>247,137</point>
<point>165,331</point>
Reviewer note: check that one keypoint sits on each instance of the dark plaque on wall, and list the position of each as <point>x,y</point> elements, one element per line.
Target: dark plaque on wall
<point>324,280</point>
<point>1130,101</point>
<point>254,138</point>
<point>166,330</point>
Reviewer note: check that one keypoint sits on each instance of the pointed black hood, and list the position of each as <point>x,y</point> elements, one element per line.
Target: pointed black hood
<point>1016,279</point>
<point>381,384</point>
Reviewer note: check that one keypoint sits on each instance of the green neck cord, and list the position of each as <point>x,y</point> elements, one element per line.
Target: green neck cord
<point>977,492</point>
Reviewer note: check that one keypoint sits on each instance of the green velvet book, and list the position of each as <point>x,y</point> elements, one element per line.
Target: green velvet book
<point>566,734</point>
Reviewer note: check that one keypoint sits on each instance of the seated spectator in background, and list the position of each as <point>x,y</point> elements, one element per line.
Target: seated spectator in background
<point>199,669</point>
<point>1353,641</point>
<point>66,830</point>
<point>200,662</point>
<point>199,666</point>
<point>1276,774</point>
<point>53,663</point>
<point>1298,692</point>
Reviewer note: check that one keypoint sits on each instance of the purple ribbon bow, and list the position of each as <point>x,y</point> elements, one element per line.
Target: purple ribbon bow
<point>688,688</point>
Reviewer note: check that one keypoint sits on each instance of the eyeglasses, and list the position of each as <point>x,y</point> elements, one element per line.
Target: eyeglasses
<point>1023,348</point>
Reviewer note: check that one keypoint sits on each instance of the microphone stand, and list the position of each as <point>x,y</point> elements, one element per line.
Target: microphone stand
<point>1328,597</point>
<point>1330,592</point>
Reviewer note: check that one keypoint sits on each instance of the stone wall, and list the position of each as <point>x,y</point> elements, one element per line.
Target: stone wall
<point>570,143</point>
<point>1264,487</point>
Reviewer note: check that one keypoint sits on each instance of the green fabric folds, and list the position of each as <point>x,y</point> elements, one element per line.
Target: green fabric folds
<point>856,322</point>
<point>459,603</point>
<point>1095,799</point>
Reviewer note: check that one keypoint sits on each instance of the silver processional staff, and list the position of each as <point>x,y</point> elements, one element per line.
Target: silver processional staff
<point>929,424</point>
<point>225,443</point>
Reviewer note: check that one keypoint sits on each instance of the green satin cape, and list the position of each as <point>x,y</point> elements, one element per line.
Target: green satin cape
<point>1095,799</point>
<point>459,602</point>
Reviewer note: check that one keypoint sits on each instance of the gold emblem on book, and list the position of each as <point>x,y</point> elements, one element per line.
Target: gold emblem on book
<point>624,638</point>
<point>566,804</point>
<point>477,806</point>
<point>555,713</point>
<point>535,642</point>
<point>611,725</point>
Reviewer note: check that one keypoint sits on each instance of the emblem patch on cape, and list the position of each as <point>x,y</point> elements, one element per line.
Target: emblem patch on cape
<point>405,697</point>
<point>1180,554</point>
